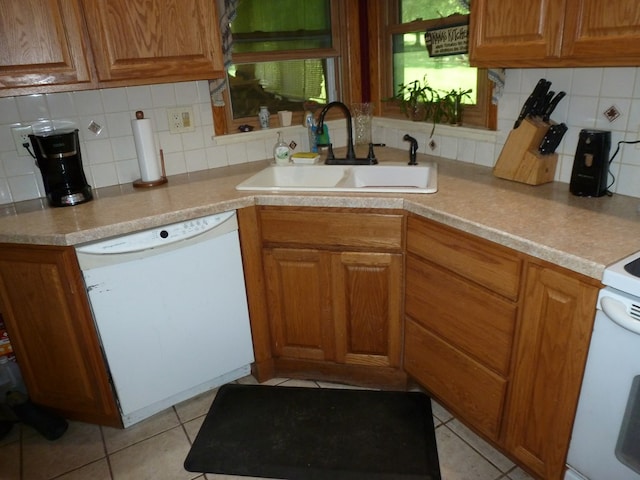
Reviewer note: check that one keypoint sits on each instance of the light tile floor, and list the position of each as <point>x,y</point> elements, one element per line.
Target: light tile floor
<point>155,448</point>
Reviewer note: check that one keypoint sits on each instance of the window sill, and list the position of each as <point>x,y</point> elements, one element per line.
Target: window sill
<point>470,133</point>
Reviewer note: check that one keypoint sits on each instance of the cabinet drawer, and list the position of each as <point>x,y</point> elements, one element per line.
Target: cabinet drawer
<point>467,388</point>
<point>478,260</point>
<point>333,229</point>
<point>467,316</point>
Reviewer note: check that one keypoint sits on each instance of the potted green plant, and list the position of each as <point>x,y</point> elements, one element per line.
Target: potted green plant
<point>414,99</point>
<point>453,104</point>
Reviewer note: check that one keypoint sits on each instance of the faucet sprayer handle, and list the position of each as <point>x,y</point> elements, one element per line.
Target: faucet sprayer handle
<point>413,148</point>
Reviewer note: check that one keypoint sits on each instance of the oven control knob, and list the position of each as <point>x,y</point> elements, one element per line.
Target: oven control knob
<point>164,233</point>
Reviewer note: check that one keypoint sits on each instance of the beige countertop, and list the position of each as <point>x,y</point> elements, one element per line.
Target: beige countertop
<point>545,221</point>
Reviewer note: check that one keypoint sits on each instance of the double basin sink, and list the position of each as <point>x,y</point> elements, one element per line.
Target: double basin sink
<point>386,178</point>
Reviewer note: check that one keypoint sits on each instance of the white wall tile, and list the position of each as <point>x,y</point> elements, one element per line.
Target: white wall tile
<point>163,95</point>
<point>5,192</point>
<point>629,181</point>
<point>119,124</point>
<point>61,105</point>
<point>97,152</point>
<point>139,98</point>
<point>123,148</point>
<point>115,100</point>
<point>196,160</point>
<point>217,156</point>
<point>128,171</point>
<point>586,82</point>
<point>24,187</point>
<point>186,93</point>
<point>236,154</point>
<point>103,175</point>
<point>618,82</point>
<point>9,110</point>
<point>32,107</point>
<point>88,102</point>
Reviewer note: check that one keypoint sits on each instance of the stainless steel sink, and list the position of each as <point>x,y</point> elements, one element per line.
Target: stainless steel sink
<point>386,178</point>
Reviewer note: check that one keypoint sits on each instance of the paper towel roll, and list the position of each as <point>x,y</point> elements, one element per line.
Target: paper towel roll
<point>146,149</point>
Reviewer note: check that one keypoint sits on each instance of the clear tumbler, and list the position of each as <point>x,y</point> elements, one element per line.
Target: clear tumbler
<point>362,113</point>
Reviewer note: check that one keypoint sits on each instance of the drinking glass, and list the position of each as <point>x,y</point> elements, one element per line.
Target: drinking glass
<point>362,113</point>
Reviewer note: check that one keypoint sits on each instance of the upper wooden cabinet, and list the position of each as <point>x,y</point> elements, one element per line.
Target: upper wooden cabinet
<point>61,45</point>
<point>168,39</point>
<point>509,33</point>
<point>42,45</point>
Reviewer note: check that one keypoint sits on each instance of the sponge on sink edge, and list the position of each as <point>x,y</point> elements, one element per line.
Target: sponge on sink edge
<point>307,158</point>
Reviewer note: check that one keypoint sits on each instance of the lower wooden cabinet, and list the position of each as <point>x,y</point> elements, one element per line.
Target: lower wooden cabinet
<point>505,356</point>
<point>332,291</point>
<point>48,318</point>
<point>460,329</point>
<point>556,325</point>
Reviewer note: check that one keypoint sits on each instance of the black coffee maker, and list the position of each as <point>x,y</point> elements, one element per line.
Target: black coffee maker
<point>58,158</point>
<point>591,164</point>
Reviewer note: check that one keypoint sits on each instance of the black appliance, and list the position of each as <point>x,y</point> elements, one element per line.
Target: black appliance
<point>58,158</point>
<point>591,164</point>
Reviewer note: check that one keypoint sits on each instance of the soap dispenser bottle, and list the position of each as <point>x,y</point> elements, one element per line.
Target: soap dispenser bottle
<point>281,152</point>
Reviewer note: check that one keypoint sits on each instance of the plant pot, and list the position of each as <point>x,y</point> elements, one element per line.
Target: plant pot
<point>456,113</point>
<point>416,111</point>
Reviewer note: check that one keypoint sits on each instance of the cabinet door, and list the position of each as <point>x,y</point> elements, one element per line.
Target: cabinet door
<point>46,310</point>
<point>298,285</point>
<point>41,45</point>
<point>556,326</point>
<point>513,32</point>
<point>174,40</point>
<point>367,292</point>
<point>606,30</point>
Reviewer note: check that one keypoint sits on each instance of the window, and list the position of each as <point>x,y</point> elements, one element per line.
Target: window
<point>404,57</point>
<point>286,55</point>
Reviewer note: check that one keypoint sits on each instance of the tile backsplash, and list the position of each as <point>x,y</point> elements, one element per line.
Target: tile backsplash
<point>109,156</point>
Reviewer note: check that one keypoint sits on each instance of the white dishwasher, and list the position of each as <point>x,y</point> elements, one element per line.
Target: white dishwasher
<point>171,311</point>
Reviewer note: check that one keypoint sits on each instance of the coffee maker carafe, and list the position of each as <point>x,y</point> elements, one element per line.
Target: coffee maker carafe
<point>60,163</point>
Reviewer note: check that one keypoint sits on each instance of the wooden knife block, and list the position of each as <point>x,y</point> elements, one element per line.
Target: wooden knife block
<point>520,159</point>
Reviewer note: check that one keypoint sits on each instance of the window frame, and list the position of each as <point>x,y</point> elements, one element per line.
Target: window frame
<point>345,30</point>
<point>384,21</point>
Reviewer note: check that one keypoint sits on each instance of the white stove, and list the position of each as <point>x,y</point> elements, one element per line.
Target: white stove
<point>604,444</point>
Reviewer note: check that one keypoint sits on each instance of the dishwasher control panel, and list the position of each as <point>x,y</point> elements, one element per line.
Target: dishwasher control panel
<point>155,237</point>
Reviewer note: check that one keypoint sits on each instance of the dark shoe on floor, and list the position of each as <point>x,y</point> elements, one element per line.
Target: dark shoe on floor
<point>5,428</point>
<point>48,424</point>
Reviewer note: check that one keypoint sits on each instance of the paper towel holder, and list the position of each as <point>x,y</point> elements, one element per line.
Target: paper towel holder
<point>163,176</point>
<point>154,183</point>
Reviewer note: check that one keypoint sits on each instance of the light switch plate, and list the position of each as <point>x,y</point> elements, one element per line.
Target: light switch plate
<point>181,119</point>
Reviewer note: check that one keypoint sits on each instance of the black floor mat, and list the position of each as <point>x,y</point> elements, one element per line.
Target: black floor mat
<point>317,433</point>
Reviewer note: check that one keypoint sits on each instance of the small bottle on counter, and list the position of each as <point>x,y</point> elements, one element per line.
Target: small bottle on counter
<point>281,152</point>
<point>264,116</point>
<point>310,123</point>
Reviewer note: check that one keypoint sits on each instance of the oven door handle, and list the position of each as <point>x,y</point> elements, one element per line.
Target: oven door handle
<point>617,312</point>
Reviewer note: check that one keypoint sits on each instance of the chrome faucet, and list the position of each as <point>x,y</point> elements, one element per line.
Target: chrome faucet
<point>350,158</point>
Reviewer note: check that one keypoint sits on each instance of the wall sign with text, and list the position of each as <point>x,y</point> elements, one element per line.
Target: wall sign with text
<point>449,40</point>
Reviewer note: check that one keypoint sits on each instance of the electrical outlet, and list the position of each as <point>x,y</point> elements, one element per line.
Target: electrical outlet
<point>181,119</point>
<point>20,137</point>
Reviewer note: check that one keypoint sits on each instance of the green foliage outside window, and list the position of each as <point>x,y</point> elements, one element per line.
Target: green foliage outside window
<point>411,61</point>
